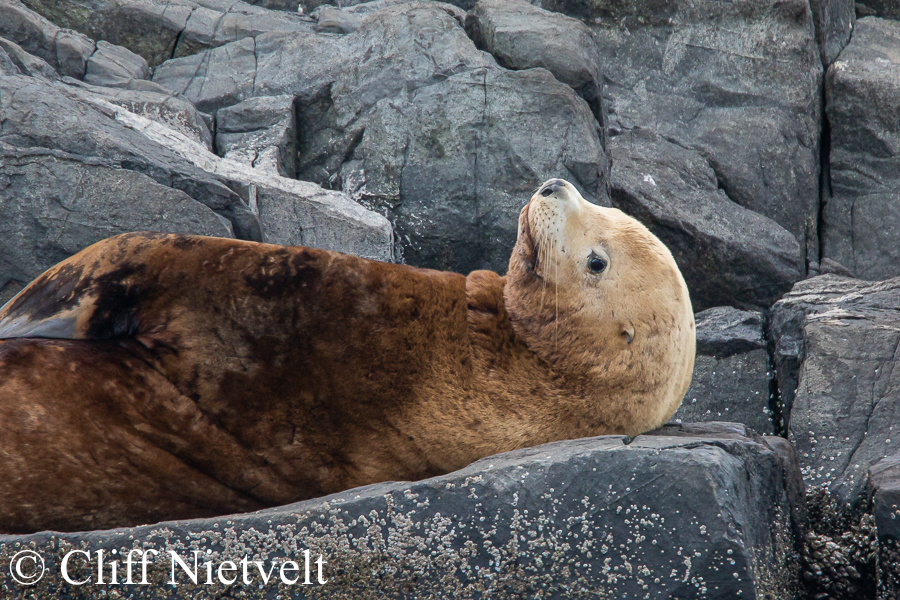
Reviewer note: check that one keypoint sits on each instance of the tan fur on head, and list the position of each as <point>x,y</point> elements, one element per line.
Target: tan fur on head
<point>629,325</point>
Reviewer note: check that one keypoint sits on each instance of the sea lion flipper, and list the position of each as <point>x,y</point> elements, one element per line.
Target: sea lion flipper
<point>64,302</point>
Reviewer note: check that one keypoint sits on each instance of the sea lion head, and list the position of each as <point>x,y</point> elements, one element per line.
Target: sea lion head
<point>596,294</point>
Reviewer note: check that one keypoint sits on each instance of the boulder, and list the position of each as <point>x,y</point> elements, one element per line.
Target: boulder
<point>165,108</point>
<point>731,372</point>
<point>728,255</point>
<point>45,216</point>
<point>261,132</point>
<point>699,512</point>
<point>522,36</point>
<point>114,66</point>
<point>738,82</point>
<point>161,29</point>
<point>835,343</point>
<point>861,225</point>
<point>15,61</point>
<point>40,114</point>
<point>66,51</point>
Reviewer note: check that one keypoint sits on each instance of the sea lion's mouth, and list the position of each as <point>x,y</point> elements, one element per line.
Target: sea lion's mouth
<point>530,250</point>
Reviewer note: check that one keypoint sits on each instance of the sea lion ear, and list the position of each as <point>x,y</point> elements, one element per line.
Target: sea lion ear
<point>628,332</point>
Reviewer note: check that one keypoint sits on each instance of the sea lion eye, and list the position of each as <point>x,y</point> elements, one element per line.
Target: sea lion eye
<point>546,191</point>
<point>596,264</point>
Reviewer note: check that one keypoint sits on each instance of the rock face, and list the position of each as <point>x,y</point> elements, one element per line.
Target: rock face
<point>261,132</point>
<point>835,344</point>
<point>738,83</point>
<point>729,255</point>
<point>732,377</point>
<point>862,229</point>
<point>411,120</point>
<point>161,29</point>
<point>700,512</point>
<point>45,219</point>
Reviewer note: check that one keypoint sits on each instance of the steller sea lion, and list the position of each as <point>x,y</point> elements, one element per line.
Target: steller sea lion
<point>154,377</point>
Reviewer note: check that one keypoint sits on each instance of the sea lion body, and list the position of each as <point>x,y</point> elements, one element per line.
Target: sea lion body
<point>161,376</point>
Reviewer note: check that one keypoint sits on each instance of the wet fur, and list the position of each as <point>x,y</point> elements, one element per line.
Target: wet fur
<point>205,376</point>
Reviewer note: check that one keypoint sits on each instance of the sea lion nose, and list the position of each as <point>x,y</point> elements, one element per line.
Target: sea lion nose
<point>551,187</point>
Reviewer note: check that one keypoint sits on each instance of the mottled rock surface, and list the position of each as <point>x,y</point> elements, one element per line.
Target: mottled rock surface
<point>688,512</point>
<point>411,120</point>
<point>261,132</point>
<point>835,349</point>
<point>738,82</point>
<point>45,219</point>
<point>732,377</point>
<point>861,221</point>
<point>161,29</point>
<point>729,255</point>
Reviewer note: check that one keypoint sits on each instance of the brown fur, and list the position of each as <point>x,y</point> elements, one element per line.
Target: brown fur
<point>204,376</point>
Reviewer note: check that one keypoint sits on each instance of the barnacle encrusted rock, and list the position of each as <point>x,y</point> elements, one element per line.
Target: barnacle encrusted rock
<point>692,511</point>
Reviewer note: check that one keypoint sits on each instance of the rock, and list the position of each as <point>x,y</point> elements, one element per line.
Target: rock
<point>861,226</point>
<point>261,132</point>
<point>168,109</point>
<point>453,164</point>
<point>884,495</point>
<point>292,212</point>
<point>66,51</point>
<point>685,513</point>
<point>45,217</point>
<point>15,61</point>
<point>334,20</point>
<point>40,114</point>
<point>731,371</point>
<point>161,29</point>
<point>449,150</point>
<point>738,82</point>
<point>522,36</point>
<point>114,66</point>
<point>835,344</point>
<point>887,9</point>
<point>728,255</point>
<point>834,21</point>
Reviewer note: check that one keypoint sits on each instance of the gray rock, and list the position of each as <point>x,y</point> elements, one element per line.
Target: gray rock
<point>835,344</point>
<point>165,108</point>
<point>334,20</point>
<point>887,9</point>
<point>45,217</point>
<point>884,496</point>
<point>738,82</point>
<point>731,371</point>
<point>834,20</point>
<point>66,51</point>
<point>161,29</point>
<point>15,61</point>
<point>295,212</point>
<point>114,66</point>
<point>411,120</point>
<point>453,163</point>
<point>522,36</point>
<point>728,255</point>
<point>702,513</point>
<point>261,132</point>
<point>42,114</point>
<point>861,223</point>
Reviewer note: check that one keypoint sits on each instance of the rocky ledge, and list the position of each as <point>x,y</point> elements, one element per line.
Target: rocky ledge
<point>693,511</point>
